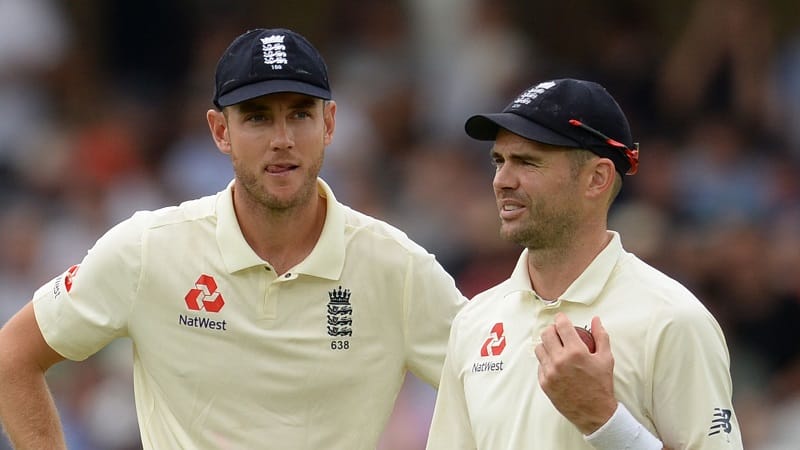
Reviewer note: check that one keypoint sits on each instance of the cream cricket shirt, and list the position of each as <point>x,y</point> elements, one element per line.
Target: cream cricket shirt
<point>227,355</point>
<point>671,362</point>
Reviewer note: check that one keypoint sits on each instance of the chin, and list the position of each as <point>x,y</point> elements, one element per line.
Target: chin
<point>287,198</point>
<point>507,233</point>
<point>517,235</point>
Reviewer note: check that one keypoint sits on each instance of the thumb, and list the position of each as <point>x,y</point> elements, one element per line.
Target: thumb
<point>601,338</point>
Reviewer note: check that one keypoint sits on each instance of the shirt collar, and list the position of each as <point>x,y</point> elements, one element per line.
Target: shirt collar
<point>589,284</point>
<point>326,260</point>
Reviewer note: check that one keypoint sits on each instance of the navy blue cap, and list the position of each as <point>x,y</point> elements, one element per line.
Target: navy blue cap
<point>266,61</point>
<point>567,113</point>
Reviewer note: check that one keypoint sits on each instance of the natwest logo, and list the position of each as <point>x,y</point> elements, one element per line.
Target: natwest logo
<point>205,295</point>
<point>71,272</point>
<point>496,343</point>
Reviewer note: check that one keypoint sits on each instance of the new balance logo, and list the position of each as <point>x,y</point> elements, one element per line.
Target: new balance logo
<point>721,421</point>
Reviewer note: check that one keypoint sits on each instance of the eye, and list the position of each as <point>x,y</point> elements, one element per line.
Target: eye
<point>255,117</point>
<point>525,161</point>
<point>302,114</point>
<point>497,162</point>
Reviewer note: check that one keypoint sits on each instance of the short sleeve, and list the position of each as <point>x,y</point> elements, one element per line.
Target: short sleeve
<point>691,383</point>
<point>430,304</point>
<point>84,308</point>
<point>450,426</point>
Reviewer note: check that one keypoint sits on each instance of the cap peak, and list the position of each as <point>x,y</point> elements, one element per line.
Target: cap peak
<point>546,111</point>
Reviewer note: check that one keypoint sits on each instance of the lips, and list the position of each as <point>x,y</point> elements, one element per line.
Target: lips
<point>510,209</point>
<point>280,168</point>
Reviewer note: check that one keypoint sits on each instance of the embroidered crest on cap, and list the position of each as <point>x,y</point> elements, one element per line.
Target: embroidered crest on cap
<point>274,51</point>
<point>528,96</point>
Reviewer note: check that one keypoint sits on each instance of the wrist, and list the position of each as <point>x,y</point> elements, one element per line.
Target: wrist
<point>623,432</point>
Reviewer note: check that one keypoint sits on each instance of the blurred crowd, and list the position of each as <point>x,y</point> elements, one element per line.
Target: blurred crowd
<point>102,113</point>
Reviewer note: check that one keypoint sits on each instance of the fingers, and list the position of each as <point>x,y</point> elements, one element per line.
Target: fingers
<point>566,331</point>
<point>562,334</point>
<point>550,339</point>
<point>541,355</point>
<point>601,337</point>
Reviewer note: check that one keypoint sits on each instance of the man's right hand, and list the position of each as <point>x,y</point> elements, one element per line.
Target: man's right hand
<point>580,384</point>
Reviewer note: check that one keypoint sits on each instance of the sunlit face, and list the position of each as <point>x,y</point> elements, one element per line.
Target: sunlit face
<point>277,144</point>
<point>537,192</point>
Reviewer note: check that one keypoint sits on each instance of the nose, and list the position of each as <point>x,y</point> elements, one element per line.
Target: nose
<point>282,137</point>
<point>504,178</point>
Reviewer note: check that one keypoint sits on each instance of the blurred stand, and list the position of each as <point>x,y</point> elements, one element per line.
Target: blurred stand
<point>102,109</point>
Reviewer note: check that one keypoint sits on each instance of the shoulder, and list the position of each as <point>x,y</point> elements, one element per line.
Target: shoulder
<point>650,284</point>
<point>496,292</point>
<point>143,222</point>
<point>484,303</point>
<point>201,209</point>
<point>360,227</point>
<point>671,305</point>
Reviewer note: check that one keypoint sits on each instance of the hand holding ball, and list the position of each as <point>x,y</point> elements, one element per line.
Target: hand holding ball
<point>586,337</point>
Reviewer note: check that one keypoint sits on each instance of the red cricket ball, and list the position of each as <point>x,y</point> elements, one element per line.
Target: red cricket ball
<point>587,338</point>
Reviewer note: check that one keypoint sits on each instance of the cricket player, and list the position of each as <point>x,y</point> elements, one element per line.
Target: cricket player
<point>517,375</point>
<point>269,315</point>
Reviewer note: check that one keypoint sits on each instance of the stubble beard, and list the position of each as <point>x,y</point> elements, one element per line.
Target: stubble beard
<point>260,195</point>
<point>545,228</point>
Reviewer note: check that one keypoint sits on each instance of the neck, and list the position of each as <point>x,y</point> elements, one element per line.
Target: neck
<point>281,237</point>
<point>553,270</point>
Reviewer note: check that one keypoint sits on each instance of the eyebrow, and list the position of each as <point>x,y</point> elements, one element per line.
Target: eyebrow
<point>518,156</point>
<point>305,102</point>
<point>259,105</point>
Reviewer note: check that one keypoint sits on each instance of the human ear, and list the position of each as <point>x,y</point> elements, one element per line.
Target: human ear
<point>329,118</point>
<point>602,177</point>
<point>218,124</point>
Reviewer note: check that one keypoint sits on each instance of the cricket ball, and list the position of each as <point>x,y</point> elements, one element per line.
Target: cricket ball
<point>587,338</point>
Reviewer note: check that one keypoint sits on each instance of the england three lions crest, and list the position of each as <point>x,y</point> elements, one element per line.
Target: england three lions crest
<point>340,313</point>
